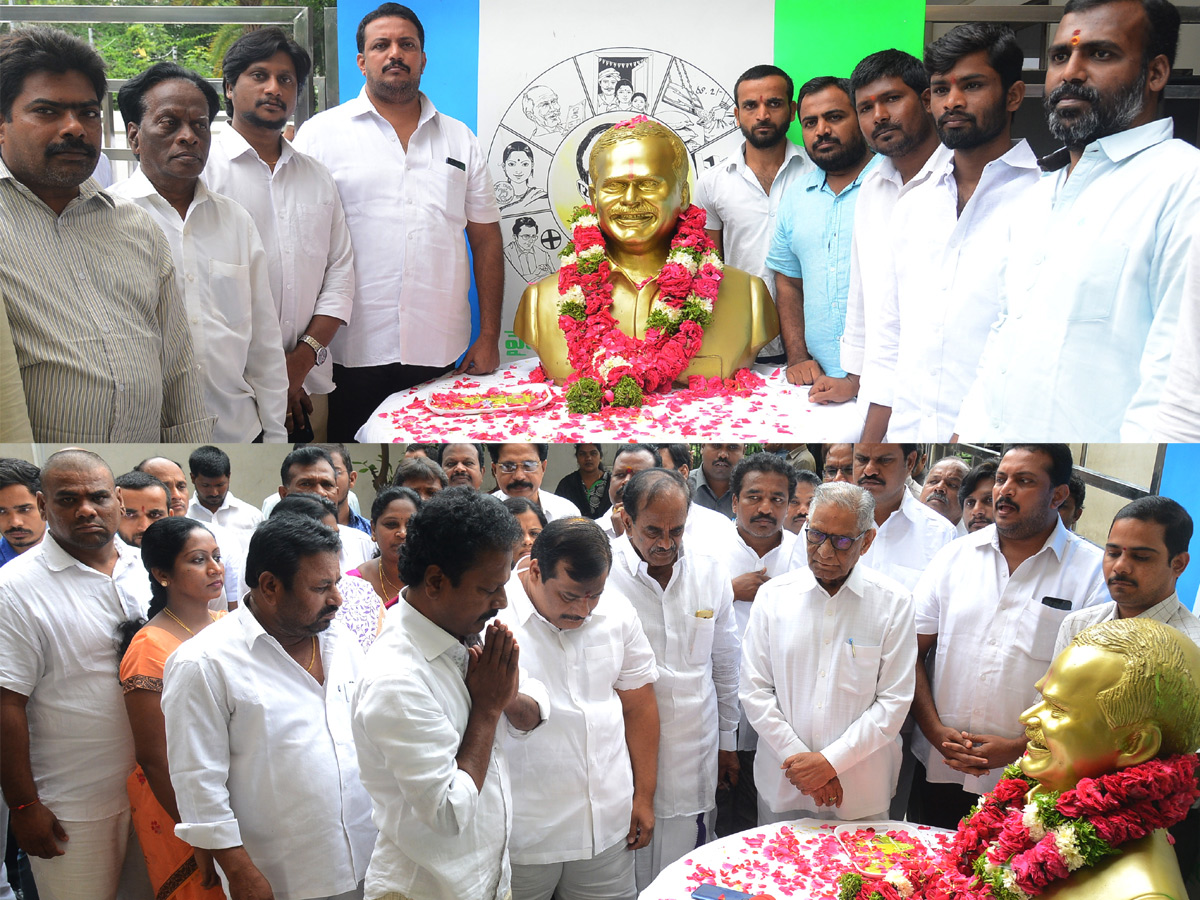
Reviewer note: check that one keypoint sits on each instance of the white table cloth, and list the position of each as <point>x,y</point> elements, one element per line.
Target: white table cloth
<point>776,410</point>
<point>800,859</point>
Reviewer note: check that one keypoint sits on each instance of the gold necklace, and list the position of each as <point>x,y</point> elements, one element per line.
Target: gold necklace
<point>314,654</point>
<point>387,584</point>
<point>167,610</point>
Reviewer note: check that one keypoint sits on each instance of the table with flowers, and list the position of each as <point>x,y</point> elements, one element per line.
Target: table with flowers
<point>759,405</point>
<point>801,859</point>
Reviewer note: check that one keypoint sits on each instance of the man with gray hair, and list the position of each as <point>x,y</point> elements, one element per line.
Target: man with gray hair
<point>825,679</point>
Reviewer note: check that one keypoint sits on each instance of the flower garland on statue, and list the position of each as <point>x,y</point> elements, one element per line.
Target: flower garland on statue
<point>609,366</point>
<point>1010,849</point>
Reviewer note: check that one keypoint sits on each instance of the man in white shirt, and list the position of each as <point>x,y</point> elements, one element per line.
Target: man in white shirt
<point>311,470</point>
<point>576,820</point>
<point>910,533</point>
<point>762,485</point>
<point>706,531</point>
<point>411,319</point>
<point>685,604</point>
<point>428,708</point>
<point>940,490</point>
<point>519,470</point>
<point>826,672</point>
<point>943,265</point>
<point>891,97</point>
<point>1097,261</point>
<point>257,710</point>
<point>213,501</point>
<point>295,204</point>
<point>992,603</point>
<point>741,193</point>
<point>1146,552</point>
<point>220,264</point>
<point>65,744</point>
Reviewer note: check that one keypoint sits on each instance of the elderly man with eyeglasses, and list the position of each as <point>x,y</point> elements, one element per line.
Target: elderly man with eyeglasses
<point>825,678</point>
<point>519,470</point>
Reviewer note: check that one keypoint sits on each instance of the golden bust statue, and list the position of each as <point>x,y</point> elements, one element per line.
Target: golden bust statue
<point>1122,693</point>
<point>638,187</point>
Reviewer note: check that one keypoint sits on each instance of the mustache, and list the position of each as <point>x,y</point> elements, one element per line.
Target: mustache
<point>396,65</point>
<point>1128,581</point>
<point>884,129</point>
<point>520,484</point>
<point>827,142</point>
<point>956,114</point>
<point>870,479</point>
<point>71,145</point>
<point>763,517</point>
<point>1069,91</point>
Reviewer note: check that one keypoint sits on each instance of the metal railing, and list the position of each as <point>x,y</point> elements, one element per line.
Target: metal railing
<point>1107,483</point>
<point>297,18</point>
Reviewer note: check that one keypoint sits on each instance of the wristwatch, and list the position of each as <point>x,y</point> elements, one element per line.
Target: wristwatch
<point>318,348</point>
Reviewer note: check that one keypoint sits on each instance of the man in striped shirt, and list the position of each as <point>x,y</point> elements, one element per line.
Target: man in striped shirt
<point>99,329</point>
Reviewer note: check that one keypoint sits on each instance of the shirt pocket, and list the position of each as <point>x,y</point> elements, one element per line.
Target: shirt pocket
<point>230,289</point>
<point>602,665</point>
<point>313,223</point>
<point>448,188</point>
<point>1097,283</point>
<point>859,672</point>
<point>698,638</point>
<point>1039,629</point>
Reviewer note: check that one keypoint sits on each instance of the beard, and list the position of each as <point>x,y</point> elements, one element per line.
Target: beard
<point>392,91</point>
<point>900,145</point>
<point>846,156</point>
<point>977,133</point>
<point>764,141</point>
<point>1104,115</point>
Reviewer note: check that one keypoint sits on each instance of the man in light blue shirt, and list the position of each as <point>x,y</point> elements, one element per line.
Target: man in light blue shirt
<point>1097,263</point>
<point>810,249</point>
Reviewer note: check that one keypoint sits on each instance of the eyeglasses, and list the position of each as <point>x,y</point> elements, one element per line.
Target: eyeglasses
<point>831,472</point>
<point>525,465</point>
<point>839,541</point>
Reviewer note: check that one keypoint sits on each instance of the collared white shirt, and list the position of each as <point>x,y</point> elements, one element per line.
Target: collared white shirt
<point>235,517</point>
<point>736,205</point>
<point>439,836</point>
<point>1179,409</point>
<point>357,547</point>
<point>580,804</point>
<point>995,636</point>
<point>697,658</point>
<point>1096,269</point>
<point>221,270</point>
<point>904,544</point>
<point>58,618</point>
<point>406,212</point>
<point>554,506</point>
<point>738,557</point>
<point>872,237</point>
<point>936,310</point>
<point>303,229</point>
<point>262,755</point>
<point>1169,611</point>
<point>834,675</point>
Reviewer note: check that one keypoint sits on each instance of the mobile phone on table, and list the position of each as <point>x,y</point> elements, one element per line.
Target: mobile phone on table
<point>716,892</point>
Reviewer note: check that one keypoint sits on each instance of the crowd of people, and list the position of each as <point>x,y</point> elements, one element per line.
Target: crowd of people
<point>922,259</point>
<point>483,694</point>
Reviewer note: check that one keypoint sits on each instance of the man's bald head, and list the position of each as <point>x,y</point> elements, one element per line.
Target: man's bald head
<point>73,459</point>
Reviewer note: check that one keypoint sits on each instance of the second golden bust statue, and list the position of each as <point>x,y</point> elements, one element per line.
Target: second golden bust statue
<point>638,187</point>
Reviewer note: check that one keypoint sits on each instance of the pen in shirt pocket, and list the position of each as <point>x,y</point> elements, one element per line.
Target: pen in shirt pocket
<point>850,641</point>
